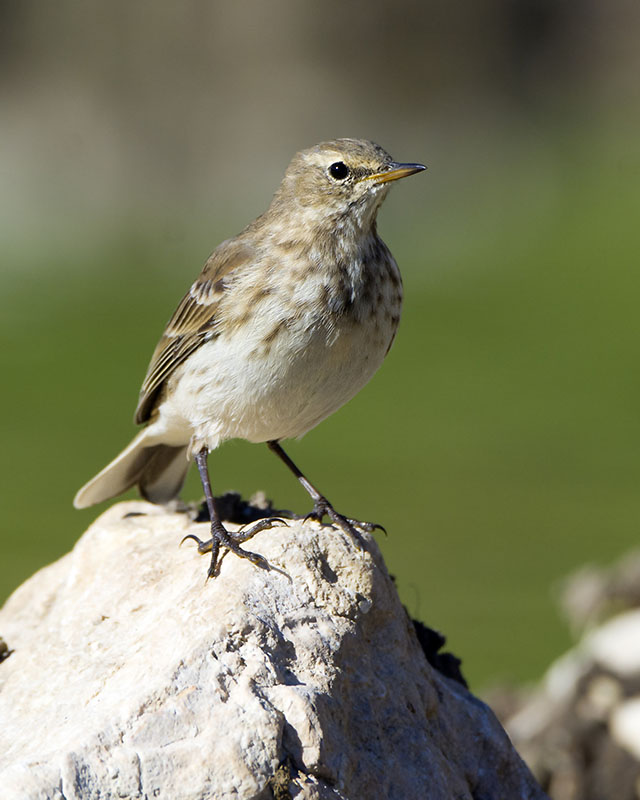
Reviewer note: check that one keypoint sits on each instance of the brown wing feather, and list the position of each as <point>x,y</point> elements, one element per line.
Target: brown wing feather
<point>192,323</point>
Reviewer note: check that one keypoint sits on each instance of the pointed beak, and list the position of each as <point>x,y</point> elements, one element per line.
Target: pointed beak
<point>394,172</point>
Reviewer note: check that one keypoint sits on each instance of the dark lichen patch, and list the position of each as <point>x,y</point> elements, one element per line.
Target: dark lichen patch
<point>5,652</point>
<point>432,642</point>
<point>280,781</point>
<point>233,508</point>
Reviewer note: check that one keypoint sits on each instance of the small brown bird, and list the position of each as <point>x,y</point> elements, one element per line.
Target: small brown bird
<point>286,323</point>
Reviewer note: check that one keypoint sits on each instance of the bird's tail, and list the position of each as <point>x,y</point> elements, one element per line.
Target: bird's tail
<point>158,470</point>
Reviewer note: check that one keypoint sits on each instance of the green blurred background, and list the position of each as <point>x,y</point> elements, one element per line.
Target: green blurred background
<point>499,443</point>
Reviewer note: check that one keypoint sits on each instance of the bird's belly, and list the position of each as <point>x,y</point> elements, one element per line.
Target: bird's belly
<point>254,389</point>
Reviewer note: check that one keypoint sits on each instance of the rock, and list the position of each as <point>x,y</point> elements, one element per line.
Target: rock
<point>592,594</point>
<point>130,676</point>
<point>580,729</point>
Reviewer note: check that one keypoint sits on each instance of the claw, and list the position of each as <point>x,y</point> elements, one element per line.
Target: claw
<point>368,527</point>
<point>203,547</point>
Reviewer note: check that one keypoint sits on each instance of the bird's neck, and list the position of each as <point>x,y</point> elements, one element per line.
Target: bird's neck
<point>345,260</point>
<point>347,230</point>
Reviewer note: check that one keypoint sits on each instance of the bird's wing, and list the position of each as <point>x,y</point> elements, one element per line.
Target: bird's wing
<point>193,322</point>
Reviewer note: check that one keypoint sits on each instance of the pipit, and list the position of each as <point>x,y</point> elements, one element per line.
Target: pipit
<point>286,323</point>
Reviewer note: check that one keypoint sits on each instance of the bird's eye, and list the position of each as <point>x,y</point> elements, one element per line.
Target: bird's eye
<point>339,171</point>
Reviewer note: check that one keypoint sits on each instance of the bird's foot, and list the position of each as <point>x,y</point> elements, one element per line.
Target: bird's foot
<point>220,537</point>
<point>322,507</point>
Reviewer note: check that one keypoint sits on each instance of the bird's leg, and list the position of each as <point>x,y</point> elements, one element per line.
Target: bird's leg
<point>321,505</point>
<point>219,534</point>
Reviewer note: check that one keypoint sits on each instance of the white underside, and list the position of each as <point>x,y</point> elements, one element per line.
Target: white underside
<point>225,391</point>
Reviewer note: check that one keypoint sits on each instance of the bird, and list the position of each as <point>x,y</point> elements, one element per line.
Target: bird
<point>286,322</point>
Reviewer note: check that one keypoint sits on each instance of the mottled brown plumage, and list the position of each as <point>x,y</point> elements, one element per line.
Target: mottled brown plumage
<point>286,322</point>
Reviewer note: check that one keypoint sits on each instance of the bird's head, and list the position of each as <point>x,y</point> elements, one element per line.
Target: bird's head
<point>340,183</point>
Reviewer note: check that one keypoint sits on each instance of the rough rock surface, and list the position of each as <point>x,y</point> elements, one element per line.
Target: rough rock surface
<point>131,677</point>
<point>580,730</point>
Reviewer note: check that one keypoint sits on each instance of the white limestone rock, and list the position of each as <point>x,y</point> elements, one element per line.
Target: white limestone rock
<point>579,730</point>
<point>133,677</point>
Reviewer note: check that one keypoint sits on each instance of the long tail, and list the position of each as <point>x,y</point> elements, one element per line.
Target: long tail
<point>158,470</point>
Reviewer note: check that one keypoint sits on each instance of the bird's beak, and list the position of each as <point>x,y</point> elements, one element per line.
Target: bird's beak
<point>394,172</point>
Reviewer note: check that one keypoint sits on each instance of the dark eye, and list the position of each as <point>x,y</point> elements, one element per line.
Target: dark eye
<point>339,171</point>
